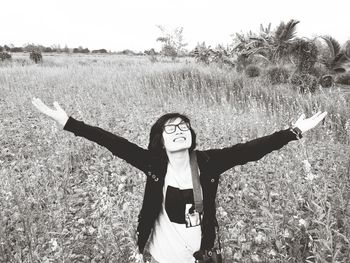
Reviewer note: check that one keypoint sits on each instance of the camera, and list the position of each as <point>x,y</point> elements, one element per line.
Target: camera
<point>208,256</point>
<point>193,218</point>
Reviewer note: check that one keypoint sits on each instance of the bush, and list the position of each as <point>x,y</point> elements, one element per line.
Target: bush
<point>326,81</point>
<point>319,70</point>
<point>102,51</point>
<point>253,71</point>
<point>278,74</point>
<point>35,55</point>
<point>5,56</point>
<point>343,78</point>
<point>17,49</point>
<point>49,49</point>
<point>304,82</point>
<point>305,53</point>
<point>81,50</point>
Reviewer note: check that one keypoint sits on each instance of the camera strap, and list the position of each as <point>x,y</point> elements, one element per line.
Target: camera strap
<point>197,192</point>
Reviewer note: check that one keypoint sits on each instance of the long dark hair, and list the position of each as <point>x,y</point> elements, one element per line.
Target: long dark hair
<point>156,144</point>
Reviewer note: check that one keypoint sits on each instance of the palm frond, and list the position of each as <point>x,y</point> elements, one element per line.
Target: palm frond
<point>265,30</point>
<point>346,49</point>
<point>333,45</point>
<point>279,30</point>
<point>286,32</point>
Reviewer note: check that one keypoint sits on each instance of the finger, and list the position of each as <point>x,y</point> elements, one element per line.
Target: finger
<point>42,107</point>
<point>316,115</point>
<point>322,116</point>
<point>302,117</point>
<point>36,103</point>
<point>57,106</point>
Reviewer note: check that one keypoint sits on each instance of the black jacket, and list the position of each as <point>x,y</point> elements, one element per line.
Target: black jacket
<point>211,164</point>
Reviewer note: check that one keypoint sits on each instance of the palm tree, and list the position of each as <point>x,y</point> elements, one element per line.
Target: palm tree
<point>283,40</point>
<point>337,57</point>
<point>271,46</point>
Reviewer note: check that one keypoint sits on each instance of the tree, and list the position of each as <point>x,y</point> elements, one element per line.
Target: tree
<point>272,46</point>
<point>103,51</point>
<point>36,56</point>
<point>173,45</point>
<point>304,52</point>
<point>336,57</point>
<point>66,49</point>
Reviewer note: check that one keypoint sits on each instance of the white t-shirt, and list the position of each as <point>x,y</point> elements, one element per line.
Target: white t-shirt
<point>172,241</point>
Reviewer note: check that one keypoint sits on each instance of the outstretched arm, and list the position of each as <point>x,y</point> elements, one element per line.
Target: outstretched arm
<point>241,153</point>
<point>119,146</point>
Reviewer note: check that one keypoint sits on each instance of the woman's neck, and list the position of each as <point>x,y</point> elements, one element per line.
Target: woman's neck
<point>179,160</point>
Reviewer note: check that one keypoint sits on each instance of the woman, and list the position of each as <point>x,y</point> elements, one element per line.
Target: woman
<point>169,199</point>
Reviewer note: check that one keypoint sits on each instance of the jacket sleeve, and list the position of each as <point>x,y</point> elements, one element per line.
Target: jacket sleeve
<point>130,152</point>
<point>241,153</point>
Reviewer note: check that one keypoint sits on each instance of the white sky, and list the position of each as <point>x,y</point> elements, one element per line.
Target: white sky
<point>132,24</point>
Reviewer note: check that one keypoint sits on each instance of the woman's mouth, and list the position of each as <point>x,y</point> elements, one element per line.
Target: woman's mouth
<point>179,139</point>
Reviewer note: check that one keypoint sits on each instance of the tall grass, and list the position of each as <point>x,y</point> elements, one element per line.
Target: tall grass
<point>64,199</point>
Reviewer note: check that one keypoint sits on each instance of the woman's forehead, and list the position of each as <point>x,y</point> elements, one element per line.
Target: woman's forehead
<point>176,120</point>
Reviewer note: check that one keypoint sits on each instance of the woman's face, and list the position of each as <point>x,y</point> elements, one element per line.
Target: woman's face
<point>177,135</point>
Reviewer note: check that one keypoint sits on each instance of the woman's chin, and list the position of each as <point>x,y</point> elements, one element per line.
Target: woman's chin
<point>178,149</point>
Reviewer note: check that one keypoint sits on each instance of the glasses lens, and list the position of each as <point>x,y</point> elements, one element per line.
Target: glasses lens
<point>169,128</point>
<point>183,126</point>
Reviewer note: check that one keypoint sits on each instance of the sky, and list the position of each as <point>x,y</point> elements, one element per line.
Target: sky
<point>132,24</point>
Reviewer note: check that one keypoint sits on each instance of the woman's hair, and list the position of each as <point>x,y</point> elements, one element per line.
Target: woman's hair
<point>156,143</point>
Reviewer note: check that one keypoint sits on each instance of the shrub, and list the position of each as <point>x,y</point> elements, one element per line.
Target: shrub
<point>5,56</point>
<point>102,51</point>
<point>242,62</point>
<point>17,49</point>
<point>326,81</point>
<point>305,53</point>
<point>319,70</point>
<point>81,50</point>
<point>278,74</point>
<point>48,49</point>
<point>35,55</point>
<point>253,71</point>
<point>304,82</point>
<point>343,78</point>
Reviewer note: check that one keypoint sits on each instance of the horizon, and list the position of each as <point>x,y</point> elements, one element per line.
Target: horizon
<point>117,26</point>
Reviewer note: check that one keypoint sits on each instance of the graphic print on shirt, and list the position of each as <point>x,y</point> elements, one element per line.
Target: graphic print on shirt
<point>178,203</point>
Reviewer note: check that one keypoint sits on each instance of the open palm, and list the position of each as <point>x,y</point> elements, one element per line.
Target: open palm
<point>57,114</point>
<point>309,123</point>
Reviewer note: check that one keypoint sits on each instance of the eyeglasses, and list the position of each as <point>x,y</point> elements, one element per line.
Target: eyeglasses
<point>171,128</point>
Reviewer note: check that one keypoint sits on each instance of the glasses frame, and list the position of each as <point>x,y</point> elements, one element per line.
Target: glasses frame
<point>178,126</point>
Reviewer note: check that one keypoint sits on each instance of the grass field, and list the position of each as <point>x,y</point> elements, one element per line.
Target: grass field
<point>64,199</point>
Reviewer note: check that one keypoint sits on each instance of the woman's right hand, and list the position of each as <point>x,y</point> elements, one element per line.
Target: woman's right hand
<point>58,115</point>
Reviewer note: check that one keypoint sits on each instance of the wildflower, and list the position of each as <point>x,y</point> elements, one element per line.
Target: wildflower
<point>222,211</point>
<point>54,244</point>
<point>136,257</point>
<point>307,169</point>
<point>260,238</point>
<point>237,256</point>
<point>306,166</point>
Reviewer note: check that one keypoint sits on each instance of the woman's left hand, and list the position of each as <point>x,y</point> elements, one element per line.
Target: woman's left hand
<point>309,123</point>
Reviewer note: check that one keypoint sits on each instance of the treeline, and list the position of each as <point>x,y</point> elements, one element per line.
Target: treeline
<point>51,49</point>
<point>57,49</point>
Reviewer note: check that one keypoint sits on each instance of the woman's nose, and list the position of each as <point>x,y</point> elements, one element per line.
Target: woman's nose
<point>177,130</point>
